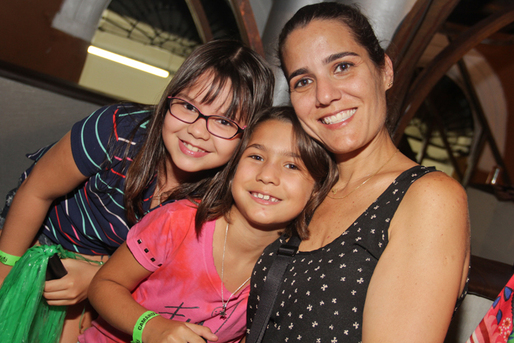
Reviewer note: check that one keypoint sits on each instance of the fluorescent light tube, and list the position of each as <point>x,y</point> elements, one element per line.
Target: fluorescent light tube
<point>93,50</point>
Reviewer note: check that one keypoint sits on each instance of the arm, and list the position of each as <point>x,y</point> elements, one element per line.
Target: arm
<point>54,175</point>
<point>423,270</point>
<point>110,294</point>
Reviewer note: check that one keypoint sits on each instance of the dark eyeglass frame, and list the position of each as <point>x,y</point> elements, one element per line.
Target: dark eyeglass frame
<point>206,117</point>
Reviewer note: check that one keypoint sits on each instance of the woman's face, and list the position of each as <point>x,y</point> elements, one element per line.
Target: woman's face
<point>191,147</point>
<point>337,91</point>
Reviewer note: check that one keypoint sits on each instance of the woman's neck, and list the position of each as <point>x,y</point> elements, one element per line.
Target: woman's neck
<point>364,162</point>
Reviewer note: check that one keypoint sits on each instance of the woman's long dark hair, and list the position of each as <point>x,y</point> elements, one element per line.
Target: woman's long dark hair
<point>348,15</point>
<point>227,62</point>
<point>217,200</point>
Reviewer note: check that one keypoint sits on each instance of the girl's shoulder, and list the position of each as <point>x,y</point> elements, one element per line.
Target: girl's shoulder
<point>173,218</point>
<point>179,208</point>
<point>105,133</point>
<point>132,110</point>
<point>120,119</point>
<point>183,206</point>
<point>128,115</point>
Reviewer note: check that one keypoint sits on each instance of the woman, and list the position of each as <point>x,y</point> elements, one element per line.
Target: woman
<point>375,268</point>
<point>124,160</point>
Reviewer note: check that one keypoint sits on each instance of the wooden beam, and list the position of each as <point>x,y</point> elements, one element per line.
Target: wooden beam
<point>444,137</point>
<point>422,22</point>
<point>408,44</point>
<point>482,120</point>
<point>404,35</point>
<point>474,156</point>
<point>247,26</point>
<point>200,19</point>
<point>439,66</point>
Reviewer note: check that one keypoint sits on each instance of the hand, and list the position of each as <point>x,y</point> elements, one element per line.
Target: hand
<point>161,330</point>
<point>72,288</point>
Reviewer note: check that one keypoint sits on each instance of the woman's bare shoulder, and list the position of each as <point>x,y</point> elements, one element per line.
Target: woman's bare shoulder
<point>436,185</point>
<point>433,203</point>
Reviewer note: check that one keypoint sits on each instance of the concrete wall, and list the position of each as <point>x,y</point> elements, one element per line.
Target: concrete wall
<point>492,226</point>
<point>30,118</point>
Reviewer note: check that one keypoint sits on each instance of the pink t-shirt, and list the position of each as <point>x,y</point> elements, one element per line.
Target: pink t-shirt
<point>184,284</point>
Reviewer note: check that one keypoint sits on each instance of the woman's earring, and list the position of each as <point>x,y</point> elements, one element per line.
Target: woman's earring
<point>390,84</point>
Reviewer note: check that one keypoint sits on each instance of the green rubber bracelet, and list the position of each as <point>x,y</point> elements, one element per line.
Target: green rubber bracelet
<point>137,334</point>
<point>8,259</point>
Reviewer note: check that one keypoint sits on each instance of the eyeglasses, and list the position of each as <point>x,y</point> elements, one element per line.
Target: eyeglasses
<point>218,126</point>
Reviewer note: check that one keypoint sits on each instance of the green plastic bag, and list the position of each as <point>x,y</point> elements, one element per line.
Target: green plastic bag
<point>25,315</point>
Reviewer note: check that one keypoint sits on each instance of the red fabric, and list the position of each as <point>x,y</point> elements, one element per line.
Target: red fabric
<point>496,326</point>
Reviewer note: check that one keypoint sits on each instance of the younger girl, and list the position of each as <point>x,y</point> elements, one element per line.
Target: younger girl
<point>191,263</point>
<point>113,167</point>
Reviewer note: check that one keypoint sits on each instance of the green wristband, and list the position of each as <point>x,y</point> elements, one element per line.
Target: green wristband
<point>137,334</point>
<point>8,259</point>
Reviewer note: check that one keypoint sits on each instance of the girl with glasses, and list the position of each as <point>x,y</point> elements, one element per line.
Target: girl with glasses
<point>190,261</point>
<point>115,166</point>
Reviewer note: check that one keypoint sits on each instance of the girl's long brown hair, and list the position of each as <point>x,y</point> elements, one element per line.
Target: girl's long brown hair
<point>227,62</point>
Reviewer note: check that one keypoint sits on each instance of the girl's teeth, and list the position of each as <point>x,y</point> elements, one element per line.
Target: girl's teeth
<point>339,117</point>
<point>192,148</point>
<point>265,197</point>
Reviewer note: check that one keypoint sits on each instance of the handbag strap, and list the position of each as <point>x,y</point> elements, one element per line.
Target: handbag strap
<point>285,254</point>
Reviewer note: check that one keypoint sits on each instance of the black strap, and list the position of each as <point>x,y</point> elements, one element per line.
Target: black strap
<point>285,254</point>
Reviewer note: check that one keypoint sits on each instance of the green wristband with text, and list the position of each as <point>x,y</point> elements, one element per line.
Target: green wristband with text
<point>137,334</point>
<point>8,259</point>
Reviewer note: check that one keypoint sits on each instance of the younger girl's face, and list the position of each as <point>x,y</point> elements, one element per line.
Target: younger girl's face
<point>271,185</point>
<point>191,147</point>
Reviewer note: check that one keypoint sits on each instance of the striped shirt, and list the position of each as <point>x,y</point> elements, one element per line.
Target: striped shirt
<point>91,219</point>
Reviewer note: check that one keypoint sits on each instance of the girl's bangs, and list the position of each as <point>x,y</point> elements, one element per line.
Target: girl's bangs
<point>237,95</point>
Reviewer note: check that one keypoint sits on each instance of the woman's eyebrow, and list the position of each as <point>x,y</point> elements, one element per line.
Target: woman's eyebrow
<point>327,60</point>
<point>296,73</point>
<point>337,56</point>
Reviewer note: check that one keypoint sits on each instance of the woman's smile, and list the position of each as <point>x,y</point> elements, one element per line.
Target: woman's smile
<point>338,117</point>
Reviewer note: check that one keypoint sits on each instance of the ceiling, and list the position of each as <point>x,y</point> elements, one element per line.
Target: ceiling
<point>469,12</point>
<point>173,16</point>
<point>168,20</point>
<point>161,22</point>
